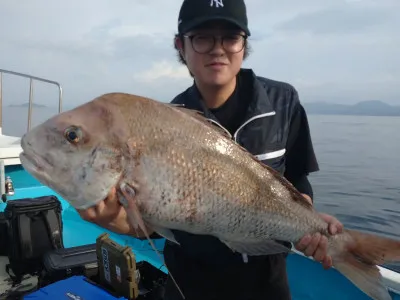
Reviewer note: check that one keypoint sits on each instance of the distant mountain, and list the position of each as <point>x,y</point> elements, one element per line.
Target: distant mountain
<point>27,105</point>
<point>364,108</point>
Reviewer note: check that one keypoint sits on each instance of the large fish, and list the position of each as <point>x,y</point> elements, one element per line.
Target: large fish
<point>175,170</point>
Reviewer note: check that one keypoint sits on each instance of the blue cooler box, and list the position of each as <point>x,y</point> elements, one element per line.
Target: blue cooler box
<point>72,288</point>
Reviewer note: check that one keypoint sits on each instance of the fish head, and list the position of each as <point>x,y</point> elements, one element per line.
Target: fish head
<point>77,153</point>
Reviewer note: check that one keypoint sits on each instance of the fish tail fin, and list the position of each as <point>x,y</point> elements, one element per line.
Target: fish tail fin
<point>136,221</point>
<point>358,257</point>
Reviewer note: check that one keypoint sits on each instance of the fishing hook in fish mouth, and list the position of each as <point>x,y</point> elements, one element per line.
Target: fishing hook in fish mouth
<point>129,190</point>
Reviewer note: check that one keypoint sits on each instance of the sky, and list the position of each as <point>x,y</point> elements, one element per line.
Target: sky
<point>341,51</point>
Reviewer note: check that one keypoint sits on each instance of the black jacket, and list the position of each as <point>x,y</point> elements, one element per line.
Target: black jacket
<point>276,131</point>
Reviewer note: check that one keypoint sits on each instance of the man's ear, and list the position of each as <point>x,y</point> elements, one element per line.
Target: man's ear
<point>179,45</point>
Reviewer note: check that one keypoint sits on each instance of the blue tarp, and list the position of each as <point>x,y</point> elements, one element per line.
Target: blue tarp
<point>72,288</point>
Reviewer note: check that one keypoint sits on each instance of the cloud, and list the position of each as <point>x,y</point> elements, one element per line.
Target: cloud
<point>345,18</point>
<point>334,50</point>
<point>163,70</point>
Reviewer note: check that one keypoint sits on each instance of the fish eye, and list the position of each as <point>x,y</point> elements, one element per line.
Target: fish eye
<point>73,134</point>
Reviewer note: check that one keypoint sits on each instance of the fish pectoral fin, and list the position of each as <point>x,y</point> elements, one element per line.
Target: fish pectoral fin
<point>165,232</point>
<point>265,247</point>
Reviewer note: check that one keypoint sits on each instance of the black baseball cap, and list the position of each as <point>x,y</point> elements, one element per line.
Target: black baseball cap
<point>196,12</point>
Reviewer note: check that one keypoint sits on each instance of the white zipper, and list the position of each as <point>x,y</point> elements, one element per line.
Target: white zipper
<point>268,114</point>
<point>271,155</point>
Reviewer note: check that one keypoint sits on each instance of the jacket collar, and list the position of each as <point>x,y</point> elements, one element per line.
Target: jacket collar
<point>259,100</point>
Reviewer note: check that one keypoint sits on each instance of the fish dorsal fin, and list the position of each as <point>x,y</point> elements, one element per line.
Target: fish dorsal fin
<point>199,115</point>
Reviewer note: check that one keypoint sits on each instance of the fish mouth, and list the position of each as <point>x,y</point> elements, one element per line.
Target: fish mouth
<point>36,166</point>
<point>33,162</point>
<point>31,159</point>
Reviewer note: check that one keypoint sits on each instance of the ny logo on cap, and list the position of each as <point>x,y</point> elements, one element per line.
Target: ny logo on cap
<point>216,3</point>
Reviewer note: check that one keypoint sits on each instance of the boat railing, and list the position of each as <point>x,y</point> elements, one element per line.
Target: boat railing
<point>31,79</point>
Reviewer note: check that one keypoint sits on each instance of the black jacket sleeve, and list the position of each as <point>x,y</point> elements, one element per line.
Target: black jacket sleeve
<point>300,155</point>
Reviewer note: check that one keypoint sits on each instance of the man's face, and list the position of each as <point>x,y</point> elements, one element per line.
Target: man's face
<point>214,53</point>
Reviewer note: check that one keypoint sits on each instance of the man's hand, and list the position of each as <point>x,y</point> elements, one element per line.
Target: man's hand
<point>110,214</point>
<point>317,245</point>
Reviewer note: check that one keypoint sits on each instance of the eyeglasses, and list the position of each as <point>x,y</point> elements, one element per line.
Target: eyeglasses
<point>202,43</point>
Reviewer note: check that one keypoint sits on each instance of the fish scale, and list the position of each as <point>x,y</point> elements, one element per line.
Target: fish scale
<point>173,169</point>
<point>229,185</point>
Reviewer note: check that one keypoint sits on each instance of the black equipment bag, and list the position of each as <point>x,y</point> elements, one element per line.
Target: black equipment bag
<point>34,228</point>
<point>3,235</point>
<point>63,263</point>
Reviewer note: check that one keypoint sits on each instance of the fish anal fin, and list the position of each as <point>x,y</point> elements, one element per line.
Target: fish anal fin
<point>266,247</point>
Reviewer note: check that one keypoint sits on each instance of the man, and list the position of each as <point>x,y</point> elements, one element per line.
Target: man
<point>262,115</point>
